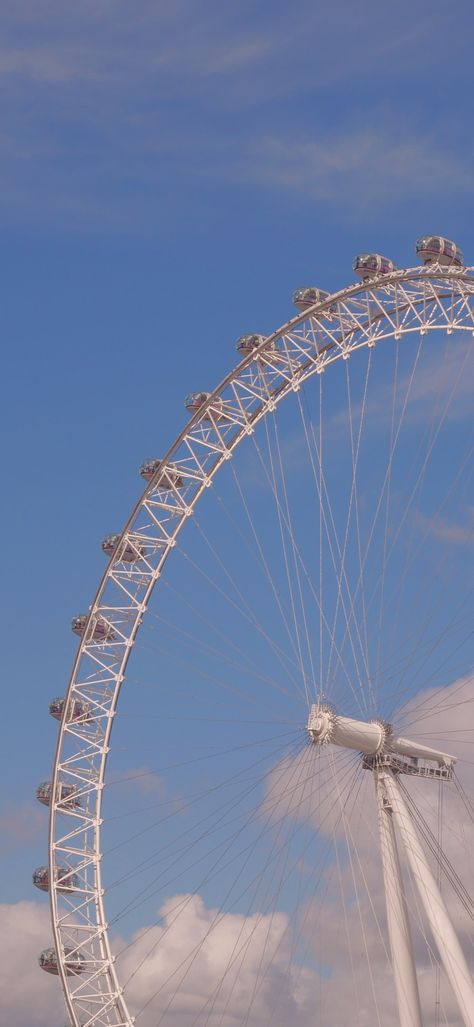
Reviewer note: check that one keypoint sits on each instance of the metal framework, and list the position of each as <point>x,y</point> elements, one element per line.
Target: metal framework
<point>417,300</point>
<point>388,757</point>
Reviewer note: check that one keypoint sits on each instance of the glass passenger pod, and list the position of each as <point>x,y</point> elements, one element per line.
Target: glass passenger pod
<point>66,880</point>
<point>73,962</point>
<point>100,630</point>
<point>66,795</point>
<point>195,400</point>
<point>170,475</point>
<point>369,265</point>
<point>129,553</point>
<point>78,711</point>
<point>307,296</point>
<point>247,344</point>
<point>435,249</point>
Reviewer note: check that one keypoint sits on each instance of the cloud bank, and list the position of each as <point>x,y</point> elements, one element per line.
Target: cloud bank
<point>198,964</point>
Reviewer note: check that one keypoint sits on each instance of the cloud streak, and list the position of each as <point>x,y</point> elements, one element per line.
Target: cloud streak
<point>111,116</point>
<point>371,162</point>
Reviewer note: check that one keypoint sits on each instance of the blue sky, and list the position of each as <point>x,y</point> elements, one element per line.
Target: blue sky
<point>169,174</point>
<point>140,122</point>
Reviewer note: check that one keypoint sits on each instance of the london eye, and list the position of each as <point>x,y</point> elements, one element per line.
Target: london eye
<point>261,797</point>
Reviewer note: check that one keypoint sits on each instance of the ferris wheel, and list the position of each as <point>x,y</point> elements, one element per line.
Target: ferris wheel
<point>285,828</point>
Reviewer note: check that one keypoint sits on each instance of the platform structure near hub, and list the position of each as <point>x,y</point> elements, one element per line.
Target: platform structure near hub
<point>388,756</point>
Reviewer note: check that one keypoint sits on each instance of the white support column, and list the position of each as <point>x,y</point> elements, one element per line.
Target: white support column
<point>447,943</point>
<point>403,962</point>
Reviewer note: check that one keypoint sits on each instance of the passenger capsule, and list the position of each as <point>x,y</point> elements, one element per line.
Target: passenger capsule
<point>170,476</point>
<point>307,296</point>
<point>79,710</point>
<point>195,400</point>
<point>100,630</point>
<point>66,881</point>
<point>129,553</point>
<point>66,795</point>
<point>368,265</point>
<point>73,962</point>
<point>247,344</point>
<point>434,249</point>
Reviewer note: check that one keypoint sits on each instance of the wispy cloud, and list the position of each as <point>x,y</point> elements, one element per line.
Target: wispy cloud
<point>432,389</point>
<point>311,45</point>
<point>148,782</point>
<point>50,65</point>
<point>150,165</point>
<point>105,102</point>
<point>109,42</point>
<point>443,529</point>
<point>365,163</point>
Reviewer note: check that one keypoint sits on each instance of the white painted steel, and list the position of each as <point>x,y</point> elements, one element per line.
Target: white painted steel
<point>368,737</point>
<point>417,300</point>
<point>354,734</point>
<point>363,736</point>
<point>405,747</point>
<point>401,946</point>
<point>446,940</point>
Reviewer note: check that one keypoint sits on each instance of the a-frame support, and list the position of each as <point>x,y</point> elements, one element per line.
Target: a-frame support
<point>444,935</point>
<point>387,756</point>
<point>401,948</point>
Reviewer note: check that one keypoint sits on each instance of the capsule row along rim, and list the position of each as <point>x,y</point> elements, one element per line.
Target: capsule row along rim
<point>432,250</point>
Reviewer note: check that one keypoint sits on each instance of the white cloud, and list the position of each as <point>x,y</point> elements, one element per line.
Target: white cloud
<point>200,965</point>
<point>359,970</point>
<point>438,385</point>
<point>290,49</point>
<point>103,93</point>
<point>93,43</point>
<point>355,172</point>
<point>28,995</point>
<point>354,166</point>
<point>443,529</point>
<point>212,961</point>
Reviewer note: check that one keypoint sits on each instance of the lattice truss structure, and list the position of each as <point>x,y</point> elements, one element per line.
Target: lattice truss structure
<point>417,300</point>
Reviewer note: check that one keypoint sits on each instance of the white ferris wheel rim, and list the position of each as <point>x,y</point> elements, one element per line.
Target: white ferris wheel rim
<point>390,306</point>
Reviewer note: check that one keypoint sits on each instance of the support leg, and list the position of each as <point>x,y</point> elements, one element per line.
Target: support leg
<point>403,962</point>
<point>447,943</point>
